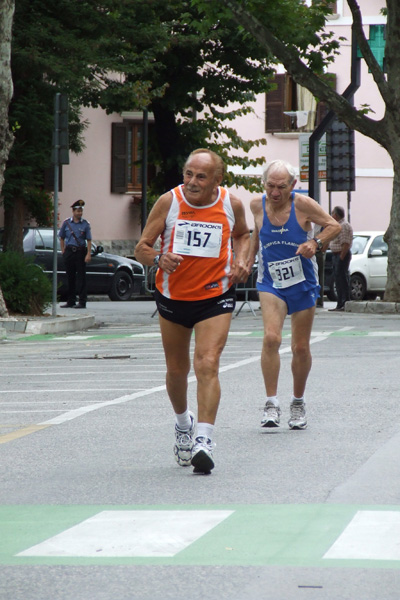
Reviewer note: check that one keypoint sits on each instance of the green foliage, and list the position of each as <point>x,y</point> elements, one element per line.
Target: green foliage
<point>203,71</point>
<point>26,289</point>
<point>299,26</point>
<point>40,206</point>
<point>124,56</point>
<point>70,46</point>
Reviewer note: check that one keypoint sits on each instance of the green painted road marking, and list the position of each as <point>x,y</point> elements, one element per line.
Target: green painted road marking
<point>253,535</point>
<point>232,334</point>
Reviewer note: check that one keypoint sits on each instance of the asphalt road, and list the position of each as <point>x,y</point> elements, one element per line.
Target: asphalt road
<point>94,507</point>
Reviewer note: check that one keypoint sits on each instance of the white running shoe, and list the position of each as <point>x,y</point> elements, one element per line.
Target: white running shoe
<point>202,455</point>
<point>184,444</point>
<point>298,419</point>
<point>272,415</point>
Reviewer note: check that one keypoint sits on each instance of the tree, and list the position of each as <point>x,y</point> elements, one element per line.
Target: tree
<point>6,16</point>
<point>71,46</point>
<point>125,56</point>
<point>203,74</point>
<point>304,52</point>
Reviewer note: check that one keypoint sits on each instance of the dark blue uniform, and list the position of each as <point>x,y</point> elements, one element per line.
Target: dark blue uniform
<point>75,236</point>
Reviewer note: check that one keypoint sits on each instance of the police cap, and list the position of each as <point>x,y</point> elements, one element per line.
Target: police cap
<point>78,204</point>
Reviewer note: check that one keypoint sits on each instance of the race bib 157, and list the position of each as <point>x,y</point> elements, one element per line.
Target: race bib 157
<point>197,238</point>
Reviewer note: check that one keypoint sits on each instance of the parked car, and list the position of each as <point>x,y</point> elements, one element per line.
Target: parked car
<point>117,276</point>
<point>368,266</point>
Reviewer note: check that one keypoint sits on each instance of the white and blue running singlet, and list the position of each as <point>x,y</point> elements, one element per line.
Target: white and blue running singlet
<point>279,268</point>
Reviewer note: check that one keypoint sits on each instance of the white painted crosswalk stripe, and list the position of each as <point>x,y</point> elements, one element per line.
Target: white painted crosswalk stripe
<point>371,535</point>
<point>145,533</point>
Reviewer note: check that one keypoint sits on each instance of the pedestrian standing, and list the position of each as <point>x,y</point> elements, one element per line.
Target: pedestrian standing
<point>76,246</point>
<point>341,257</point>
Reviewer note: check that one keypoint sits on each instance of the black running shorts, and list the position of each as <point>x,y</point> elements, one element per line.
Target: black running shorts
<point>188,313</point>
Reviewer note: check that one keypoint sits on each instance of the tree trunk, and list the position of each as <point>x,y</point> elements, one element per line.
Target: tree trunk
<point>6,90</point>
<point>169,145</point>
<point>6,86</point>
<point>392,237</point>
<point>14,221</point>
<point>3,307</point>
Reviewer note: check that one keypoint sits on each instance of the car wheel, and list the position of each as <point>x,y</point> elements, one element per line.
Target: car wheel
<point>121,287</point>
<point>358,287</point>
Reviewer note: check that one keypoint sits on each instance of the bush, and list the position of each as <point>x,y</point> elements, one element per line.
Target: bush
<point>26,289</point>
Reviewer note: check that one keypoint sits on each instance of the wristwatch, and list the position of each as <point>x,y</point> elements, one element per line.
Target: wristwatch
<point>156,260</point>
<point>320,245</point>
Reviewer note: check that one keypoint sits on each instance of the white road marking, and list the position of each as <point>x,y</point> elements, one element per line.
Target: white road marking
<point>384,334</point>
<point>144,533</point>
<point>58,391</point>
<point>79,412</point>
<point>371,535</point>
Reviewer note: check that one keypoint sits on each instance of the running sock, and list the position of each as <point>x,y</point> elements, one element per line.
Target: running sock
<point>205,430</point>
<point>294,399</point>
<point>273,399</point>
<point>183,420</point>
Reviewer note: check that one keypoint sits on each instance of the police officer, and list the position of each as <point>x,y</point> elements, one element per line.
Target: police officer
<point>76,245</point>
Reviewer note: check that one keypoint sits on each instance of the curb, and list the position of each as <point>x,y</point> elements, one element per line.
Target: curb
<point>377,308</point>
<point>42,326</point>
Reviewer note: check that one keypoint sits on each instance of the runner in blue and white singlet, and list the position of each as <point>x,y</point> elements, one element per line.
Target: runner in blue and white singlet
<point>280,270</point>
<point>287,281</point>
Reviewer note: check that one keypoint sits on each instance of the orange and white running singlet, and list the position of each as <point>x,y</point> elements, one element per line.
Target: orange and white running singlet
<point>202,236</point>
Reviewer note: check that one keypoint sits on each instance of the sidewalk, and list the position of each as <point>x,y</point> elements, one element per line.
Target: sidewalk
<point>45,324</point>
<point>99,309</point>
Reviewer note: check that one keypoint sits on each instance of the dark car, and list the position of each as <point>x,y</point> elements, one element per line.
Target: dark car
<point>117,276</point>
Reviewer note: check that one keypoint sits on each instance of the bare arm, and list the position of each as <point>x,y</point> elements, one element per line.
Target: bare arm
<point>256,209</point>
<point>241,241</point>
<point>144,251</point>
<point>311,212</point>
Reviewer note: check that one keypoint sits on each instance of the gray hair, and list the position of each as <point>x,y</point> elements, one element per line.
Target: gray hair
<point>338,211</point>
<point>279,165</point>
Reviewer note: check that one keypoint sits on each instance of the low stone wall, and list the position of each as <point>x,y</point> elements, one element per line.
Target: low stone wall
<point>378,308</point>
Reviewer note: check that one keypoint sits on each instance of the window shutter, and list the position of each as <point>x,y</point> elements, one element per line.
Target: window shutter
<point>275,105</point>
<point>119,160</point>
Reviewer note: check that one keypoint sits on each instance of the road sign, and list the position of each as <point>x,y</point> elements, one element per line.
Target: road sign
<point>304,157</point>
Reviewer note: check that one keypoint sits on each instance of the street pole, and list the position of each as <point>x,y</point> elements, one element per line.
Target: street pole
<point>56,159</point>
<point>145,141</point>
<point>59,156</point>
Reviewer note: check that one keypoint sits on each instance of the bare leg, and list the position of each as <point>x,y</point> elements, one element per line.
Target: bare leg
<point>211,336</point>
<point>301,362</point>
<point>274,311</point>
<point>176,342</point>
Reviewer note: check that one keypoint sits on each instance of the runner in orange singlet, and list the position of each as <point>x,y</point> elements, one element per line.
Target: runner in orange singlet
<point>197,268</point>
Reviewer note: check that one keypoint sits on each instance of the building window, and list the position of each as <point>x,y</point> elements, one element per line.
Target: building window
<point>126,170</point>
<point>332,5</point>
<point>134,157</point>
<point>291,107</point>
